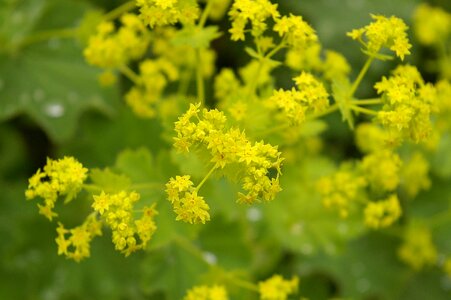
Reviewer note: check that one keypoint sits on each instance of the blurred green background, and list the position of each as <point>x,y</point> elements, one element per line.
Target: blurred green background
<point>51,105</point>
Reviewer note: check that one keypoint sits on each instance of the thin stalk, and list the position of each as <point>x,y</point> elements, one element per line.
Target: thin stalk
<point>118,11</point>
<point>91,187</point>
<point>363,110</point>
<point>199,78</point>
<point>130,74</point>
<point>242,283</point>
<point>361,75</point>
<point>205,178</point>
<point>367,101</point>
<point>147,186</point>
<point>329,110</point>
<point>204,16</point>
<point>41,36</point>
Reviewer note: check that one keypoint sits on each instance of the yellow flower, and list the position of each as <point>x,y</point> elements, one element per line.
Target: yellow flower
<point>432,24</point>
<point>277,288</point>
<point>382,214</point>
<point>383,32</point>
<point>418,249</point>
<point>415,175</point>
<point>167,12</point>
<point>203,292</point>
<point>382,170</point>
<point>63,177</point>
<point>297,33</point>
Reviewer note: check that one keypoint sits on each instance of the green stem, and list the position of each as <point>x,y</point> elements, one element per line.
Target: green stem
<point>204,16</point>
<point>242,283</point>
<point>41,36</point>
<point>329,110</point>
<point>130,74</point>
<point>363,110</point>
<point>191,249</point>
<point>361,75</point>
<point>199,78</point>
<point>276,49</point>
<point>91,187</point>
<point>367,101</point>
<point>118,11</point>
<point>205,178</point>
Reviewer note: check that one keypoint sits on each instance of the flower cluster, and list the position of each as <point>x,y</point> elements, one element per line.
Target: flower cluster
<point>188,206</point>
<point>153,77</point>
<point>297,33</point>
<point>418,250</point>
<point>309,96</point>
<point>370,137</point>
<point>77,245</point>
<point>62,177</point>
<point>415,175</point>
<point>340,190</point>
<point>255,12</point>
<point>168,12</point>
<point>381,169</point>
<point>277,288</point>
<point>203,292</point>
<point>432,24</point>
<point>408,103</point>
<point>111,48</point>
<point>231,147</point>
<point>383,213</point>
<point>116,211</point>
<point>383,32</point>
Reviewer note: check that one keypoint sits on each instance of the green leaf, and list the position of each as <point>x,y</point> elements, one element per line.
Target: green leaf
<point>196,37</point>
<point>138,165</point>
<point>49,81</point>
<point>109,181</point>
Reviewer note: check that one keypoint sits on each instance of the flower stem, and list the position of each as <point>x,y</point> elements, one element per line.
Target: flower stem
<point>363,110</point>
<point>361,75</point>
<point>204,16</point>
<point>199,78</point>
<point>329,110</point>
<point>130,74</point>
<point>41,36</point>
<point>205,178</point>
<point>118,11</point>
<point>367,101</point>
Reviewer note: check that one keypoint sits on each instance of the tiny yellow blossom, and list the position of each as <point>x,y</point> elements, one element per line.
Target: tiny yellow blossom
<point>167,12</point>
<point>62,177</point>
<point>432,24</point>
<point>203,292</point>
<point>382,214</point>
<point>370,137</point>
<point>415,175</point>
<point>340,190</point>
<point>383,32</point>
<point>309,96</point>
<point>382,170</point>
<point>255,12</point>
<point>277,288</point>
<point>418,250</point>
<point>297,33</point>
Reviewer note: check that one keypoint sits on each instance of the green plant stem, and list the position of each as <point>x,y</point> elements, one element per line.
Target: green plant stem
<point>242,283</point>
<point>41,36</point>
<point>367,101</point>
<point>118,11</point>
<point>205,178</point>
<point>130,74</point>
<point>329,110</point>
<point>363,110</point>
<point>91,187</point>
<point>199,78</point>
<point>276,49</point>
<point>191,249</point>
<point>361,75</point>
<point>204,16</point>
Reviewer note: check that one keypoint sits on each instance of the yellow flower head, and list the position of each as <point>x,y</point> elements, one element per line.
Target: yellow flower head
<point>340,190</point>
<point>418,249</point>
<point>203,292</point>
<point>415,175</point>
<point>382,214</point>
<point>432,25</point>
<point>77,245</point>
<point>255,12</point>
<point>382,170</point>
<point>116,211</point>
<point>383,32</point>
<point>298,33</point>
<point>111,48</point>
<point>409,103</point>
<point>167,12</point>
<point>62,177</point>
<point>277,288</point>
<point>309,96</point>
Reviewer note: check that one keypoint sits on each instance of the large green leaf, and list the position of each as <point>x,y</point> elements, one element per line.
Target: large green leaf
<point>49,80</point>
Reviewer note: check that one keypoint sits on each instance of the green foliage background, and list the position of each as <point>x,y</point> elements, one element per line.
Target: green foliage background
<point>51,105</point>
